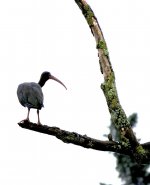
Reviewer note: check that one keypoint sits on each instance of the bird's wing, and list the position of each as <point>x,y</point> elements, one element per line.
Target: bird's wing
<point>21,95</point>
<point>30,95</point>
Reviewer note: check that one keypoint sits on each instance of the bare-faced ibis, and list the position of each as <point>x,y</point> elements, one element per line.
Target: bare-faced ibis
<point>30,94</point>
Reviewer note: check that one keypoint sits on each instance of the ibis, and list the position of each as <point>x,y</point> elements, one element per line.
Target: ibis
<point>30,94</point>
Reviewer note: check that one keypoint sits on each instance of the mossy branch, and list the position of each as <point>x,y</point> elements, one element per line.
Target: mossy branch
<point>73,137</point>
<point>118,116</point>
<point>128,144</point>
<point>87,142</point>
<point>101,45</point>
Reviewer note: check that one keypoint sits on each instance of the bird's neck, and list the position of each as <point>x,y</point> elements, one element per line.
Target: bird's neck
<point>41,82</point>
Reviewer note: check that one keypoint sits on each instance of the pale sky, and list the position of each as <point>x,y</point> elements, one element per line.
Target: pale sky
<point>47,35</point>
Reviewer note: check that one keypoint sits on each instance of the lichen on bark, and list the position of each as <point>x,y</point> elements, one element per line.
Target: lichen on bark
<point>102,45</point>
<point>118,116</point>
<point>88,14</point>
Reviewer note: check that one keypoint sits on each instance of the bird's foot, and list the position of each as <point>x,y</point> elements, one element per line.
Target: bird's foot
<point>25,121</point>
<point>39,123</point>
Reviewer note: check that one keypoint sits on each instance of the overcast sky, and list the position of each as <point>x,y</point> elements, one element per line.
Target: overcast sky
<point>47,35</point>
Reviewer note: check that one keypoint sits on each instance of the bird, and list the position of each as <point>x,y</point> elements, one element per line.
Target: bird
<point>30,94</point>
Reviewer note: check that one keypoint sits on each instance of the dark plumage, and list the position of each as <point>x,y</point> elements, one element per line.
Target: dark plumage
<point>30,94</point>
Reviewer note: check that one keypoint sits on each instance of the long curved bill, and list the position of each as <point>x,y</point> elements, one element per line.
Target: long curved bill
<point>57,80</point>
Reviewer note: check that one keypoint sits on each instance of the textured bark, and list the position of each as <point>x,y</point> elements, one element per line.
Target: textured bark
<point>118,116</point>
<point>73,137</point>
<point>84,140</point>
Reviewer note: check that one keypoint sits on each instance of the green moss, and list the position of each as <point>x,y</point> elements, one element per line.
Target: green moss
<point>118,116</point>
<point>88,13</point>
<point>124,141</point>
<point>140,150</point>
<point>125,144</point>
<point>110,91</point>
<point>102,45</point>
<point>114,103</point>
<point>106,53</point>
<point>71,136</point>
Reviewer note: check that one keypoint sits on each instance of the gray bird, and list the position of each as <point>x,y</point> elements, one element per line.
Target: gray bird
<point>30,94</point>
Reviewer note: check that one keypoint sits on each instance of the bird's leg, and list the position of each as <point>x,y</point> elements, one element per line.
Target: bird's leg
<point>28,115</point>
<point>27,119</point>
<point>39,123</point>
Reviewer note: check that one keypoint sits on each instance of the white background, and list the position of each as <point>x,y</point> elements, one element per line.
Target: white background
<point>47,35</point>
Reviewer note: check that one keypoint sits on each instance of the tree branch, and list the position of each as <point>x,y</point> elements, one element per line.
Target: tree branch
<point>74,138</point>
<point>128,144</point>
<point>101,45</point>
<point>84,140</point>
<point>118,116</point>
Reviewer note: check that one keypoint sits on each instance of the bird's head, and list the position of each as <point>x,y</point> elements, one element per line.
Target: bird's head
<point>46,76</point>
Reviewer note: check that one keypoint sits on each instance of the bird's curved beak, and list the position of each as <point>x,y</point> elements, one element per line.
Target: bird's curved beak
<point>57,80</point>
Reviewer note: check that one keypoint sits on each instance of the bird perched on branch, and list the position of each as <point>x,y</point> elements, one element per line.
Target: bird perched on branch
<point>30,94</point>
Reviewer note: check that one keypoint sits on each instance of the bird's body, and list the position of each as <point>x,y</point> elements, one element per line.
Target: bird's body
<point>30,94</point>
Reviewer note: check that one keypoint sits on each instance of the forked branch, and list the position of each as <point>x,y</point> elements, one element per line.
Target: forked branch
<point>128,143</point>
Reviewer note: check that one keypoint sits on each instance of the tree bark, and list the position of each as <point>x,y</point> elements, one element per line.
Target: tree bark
<point>75,138</point>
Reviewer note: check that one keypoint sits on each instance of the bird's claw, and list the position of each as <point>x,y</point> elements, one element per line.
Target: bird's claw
<point>25,121</point>
<point>39,123</point>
